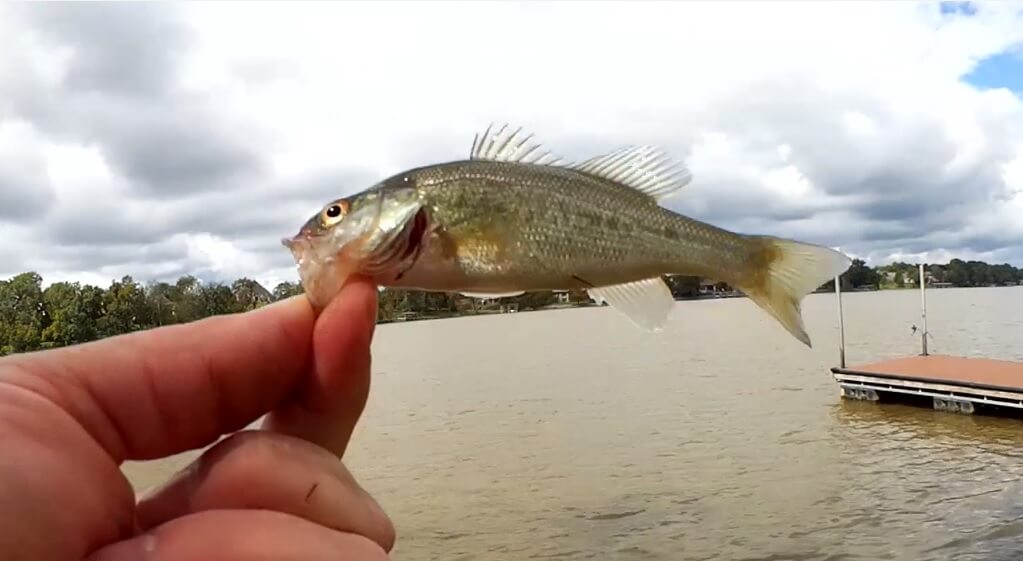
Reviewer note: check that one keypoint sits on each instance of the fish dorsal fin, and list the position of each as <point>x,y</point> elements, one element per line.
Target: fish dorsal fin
<point>506,145</point>
<point>647,169</point>
<point>646,302</point>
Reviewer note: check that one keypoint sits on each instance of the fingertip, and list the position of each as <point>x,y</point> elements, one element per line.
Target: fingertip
<point>358,296</point>
<point>346,326</point>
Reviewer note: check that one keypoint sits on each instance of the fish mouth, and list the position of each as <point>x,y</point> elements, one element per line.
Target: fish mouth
<point>298,244</point>
<point>304,238</point>
<point>293,242</point>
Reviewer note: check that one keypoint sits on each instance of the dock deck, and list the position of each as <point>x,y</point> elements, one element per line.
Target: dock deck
<point>949,383</point>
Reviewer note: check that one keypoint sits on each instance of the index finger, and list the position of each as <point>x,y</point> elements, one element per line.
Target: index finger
<point>150,394</point>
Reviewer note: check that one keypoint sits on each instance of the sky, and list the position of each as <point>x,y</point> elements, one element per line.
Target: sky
<point>157,140</point>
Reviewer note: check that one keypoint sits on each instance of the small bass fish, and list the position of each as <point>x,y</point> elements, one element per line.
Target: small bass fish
<point>512,218</point>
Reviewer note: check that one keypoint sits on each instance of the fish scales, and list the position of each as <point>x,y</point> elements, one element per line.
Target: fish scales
<point>558,229</point>
<point>511,219</point>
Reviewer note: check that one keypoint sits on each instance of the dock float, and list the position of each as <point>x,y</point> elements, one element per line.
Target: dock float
<point>946,383</point>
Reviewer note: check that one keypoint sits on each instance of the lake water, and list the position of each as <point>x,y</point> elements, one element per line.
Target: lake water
<point>571,434</point>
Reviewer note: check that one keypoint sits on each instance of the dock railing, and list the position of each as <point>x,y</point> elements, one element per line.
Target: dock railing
<point>923,311</point>
<point>841,316</point>
<point>841,320</point>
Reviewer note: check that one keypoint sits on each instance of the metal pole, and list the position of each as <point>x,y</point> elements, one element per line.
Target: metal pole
<point>841,322</point>
<point>923,310</point>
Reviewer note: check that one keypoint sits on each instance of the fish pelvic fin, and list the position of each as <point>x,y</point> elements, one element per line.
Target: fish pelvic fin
<point>486,295</point>
<point>647,302</point>
<point>787,272</point>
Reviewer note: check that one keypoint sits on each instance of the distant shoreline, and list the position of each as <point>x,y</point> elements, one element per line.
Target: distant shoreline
<point>66,313</point>
<point>719,296</point>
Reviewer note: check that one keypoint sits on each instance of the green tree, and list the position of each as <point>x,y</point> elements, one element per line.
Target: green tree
<point>161,300</point>
<point>958,273</point>
<point>22,313</point>
<point>74,312</point>
<point>126,308</point>
<point>860,275</point>
<point>217,299</point>
<point>287,290</point>
<point>391,303</point>
<point>1003,274</point>
<point>250,294</point>
<point>187,299</point>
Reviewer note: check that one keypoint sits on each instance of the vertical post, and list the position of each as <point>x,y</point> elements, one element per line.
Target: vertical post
<point>923,310</point>
<point>841,322</point>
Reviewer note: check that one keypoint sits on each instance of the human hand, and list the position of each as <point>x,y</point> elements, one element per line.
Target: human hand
<point>69,417</point>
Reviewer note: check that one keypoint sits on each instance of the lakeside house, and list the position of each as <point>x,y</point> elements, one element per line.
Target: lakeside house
<point>907,280</point>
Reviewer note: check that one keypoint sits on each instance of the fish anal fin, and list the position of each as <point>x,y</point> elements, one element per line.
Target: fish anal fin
<point>507,145</point>
<point>647,169</point>
<point>647,302</point>
<point>791,270</point>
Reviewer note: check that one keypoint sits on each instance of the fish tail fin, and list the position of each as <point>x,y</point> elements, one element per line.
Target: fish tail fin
<point>786,271</point>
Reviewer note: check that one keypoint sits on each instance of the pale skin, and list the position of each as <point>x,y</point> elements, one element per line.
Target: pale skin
<point>69,417</point>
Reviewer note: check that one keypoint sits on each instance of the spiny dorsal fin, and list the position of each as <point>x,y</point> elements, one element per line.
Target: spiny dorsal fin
<point>647,169</point>
<point>506,145</point>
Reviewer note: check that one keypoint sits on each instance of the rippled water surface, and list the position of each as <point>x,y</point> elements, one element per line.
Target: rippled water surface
<point>571,434</point>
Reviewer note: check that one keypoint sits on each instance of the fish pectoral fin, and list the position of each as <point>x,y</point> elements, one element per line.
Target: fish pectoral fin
<point>506,145</point>
<point>492,294</point>
<point>646,302</point>
<point>647,169</point>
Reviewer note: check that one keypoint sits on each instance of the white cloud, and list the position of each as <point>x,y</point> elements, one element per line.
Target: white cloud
<point>845,124</point>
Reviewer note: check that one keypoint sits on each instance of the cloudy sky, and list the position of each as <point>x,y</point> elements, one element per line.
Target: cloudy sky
<point>159,140</point>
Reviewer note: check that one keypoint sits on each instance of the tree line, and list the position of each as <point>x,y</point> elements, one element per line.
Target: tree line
<point>956,272</point>
<point>67,313</point>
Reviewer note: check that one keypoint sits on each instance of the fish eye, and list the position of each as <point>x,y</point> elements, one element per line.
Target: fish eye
<point>334,213</point>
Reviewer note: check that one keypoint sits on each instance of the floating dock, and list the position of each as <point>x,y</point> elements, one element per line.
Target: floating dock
<point>946,383</point>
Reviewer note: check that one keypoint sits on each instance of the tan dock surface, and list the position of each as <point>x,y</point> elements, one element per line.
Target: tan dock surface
<point>961,371</point>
